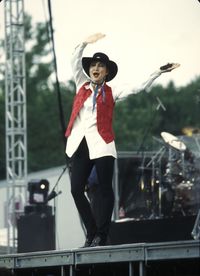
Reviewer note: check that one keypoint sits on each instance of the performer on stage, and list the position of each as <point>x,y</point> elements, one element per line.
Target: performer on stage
<point>91,137</point>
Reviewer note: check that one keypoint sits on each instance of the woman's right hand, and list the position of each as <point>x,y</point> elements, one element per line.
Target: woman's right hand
<point>93,38</point>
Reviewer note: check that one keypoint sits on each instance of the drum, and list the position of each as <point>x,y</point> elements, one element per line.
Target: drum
<point>174,172</point>
<point>185,200</point>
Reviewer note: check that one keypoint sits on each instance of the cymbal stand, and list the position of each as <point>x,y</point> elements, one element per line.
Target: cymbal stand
<point>156,193</point>
<point>154,157</point>
<point>154,160</point>
<point>183,163</point>
<point>153,116</point>
<point>196,229</point>
<point>197,143</point>
<point>160,188</point>
<point>172,159</point>
<point>142,174</point>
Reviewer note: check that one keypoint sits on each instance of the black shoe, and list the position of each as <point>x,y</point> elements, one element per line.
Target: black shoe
<point>98,241</point>
<point>87,243</point>
<point>89,239</point>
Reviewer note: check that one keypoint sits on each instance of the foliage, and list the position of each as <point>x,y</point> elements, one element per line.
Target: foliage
<point>45,137</point>
<point>140,117</point>
<point>137,119</point>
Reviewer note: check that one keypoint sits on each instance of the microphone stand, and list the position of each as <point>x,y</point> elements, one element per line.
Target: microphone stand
<point>53,193</point>
<point>160,104</point>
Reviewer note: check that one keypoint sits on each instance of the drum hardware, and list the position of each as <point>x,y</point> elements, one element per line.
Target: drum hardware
<point>175,168</point>
<point>156,181</point>
<point>173,141</point>
<point>182,177</point>
<point>184,200</point>
<point>196,229</point>
<point>176,156</point>
<point>142,183</point>
<point>172,185</point>
<point>197,143</point>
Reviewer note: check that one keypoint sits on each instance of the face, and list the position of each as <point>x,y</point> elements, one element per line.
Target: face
<point>98,71</point>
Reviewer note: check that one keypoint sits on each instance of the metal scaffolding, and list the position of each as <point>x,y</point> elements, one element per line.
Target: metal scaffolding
<point>16,130</point>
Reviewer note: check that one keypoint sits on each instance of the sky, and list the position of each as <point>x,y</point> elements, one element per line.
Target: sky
<point>141,35</point>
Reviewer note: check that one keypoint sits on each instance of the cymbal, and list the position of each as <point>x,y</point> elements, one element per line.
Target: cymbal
<point>173,141</point>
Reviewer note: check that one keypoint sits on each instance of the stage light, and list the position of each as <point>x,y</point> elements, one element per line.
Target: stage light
<point>42,186</point>
<point>38,191</point>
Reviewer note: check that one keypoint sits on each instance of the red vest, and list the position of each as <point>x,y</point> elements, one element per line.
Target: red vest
<point>104,111</point>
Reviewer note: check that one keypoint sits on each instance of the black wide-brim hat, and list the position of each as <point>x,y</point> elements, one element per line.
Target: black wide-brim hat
<point>111,65</point>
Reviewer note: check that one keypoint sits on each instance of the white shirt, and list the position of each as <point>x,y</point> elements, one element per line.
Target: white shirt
<point>85,124</point>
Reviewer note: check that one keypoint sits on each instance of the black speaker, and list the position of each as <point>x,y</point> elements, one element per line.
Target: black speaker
<point>155,230</point>
<point>36,232</point>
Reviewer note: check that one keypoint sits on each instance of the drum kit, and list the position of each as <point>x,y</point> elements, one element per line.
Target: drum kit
<point>177,179</point>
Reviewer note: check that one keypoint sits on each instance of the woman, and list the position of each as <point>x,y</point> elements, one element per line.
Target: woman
<point>91,138</point>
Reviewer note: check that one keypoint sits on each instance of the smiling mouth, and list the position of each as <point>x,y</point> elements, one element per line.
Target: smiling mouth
<point>96,75</point>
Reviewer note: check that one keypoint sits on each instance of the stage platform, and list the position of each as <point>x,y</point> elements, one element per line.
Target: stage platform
<point>141,259</point>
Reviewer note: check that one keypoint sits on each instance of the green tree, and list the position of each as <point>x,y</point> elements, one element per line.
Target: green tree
<point>45,137</point>
<point>137,119</point>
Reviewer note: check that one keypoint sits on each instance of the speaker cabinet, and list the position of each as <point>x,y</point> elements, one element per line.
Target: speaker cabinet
<point>36,232</point>
<point>152,230</point>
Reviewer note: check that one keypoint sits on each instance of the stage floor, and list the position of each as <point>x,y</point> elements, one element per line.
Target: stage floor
<point>165,258</point>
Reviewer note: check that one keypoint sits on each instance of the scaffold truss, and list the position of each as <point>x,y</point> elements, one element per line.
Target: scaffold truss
<point>16,132</point>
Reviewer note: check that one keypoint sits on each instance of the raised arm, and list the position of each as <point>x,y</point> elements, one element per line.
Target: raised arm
<point>127,90</point>
<point>163,69</point>
<point>79,76</point>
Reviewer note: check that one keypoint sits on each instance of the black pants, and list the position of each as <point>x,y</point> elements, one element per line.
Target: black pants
<point>96,221</point>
